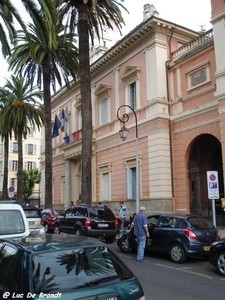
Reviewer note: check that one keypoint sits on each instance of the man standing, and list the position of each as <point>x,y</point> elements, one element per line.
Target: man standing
<point>122,213</point>
<point>140,225</point>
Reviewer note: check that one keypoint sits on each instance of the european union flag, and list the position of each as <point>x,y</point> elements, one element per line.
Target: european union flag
<point>56,126</point>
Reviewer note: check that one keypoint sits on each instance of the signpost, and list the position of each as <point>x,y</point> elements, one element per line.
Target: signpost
<point>11,191</point>
<point>213,191</point>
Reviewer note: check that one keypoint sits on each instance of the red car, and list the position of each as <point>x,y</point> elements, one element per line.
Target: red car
<point>49,217</point>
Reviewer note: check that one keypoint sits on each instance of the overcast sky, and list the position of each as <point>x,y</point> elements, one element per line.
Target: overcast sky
<point>188,13</point>
<point>191,14</point>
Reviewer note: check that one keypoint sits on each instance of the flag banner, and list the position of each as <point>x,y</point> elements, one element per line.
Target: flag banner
<point>63,121</point>
<point>75,135</point>
<point>56,126</point>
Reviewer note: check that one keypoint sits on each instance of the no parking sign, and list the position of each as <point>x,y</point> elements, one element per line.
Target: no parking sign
<point>213,185</point>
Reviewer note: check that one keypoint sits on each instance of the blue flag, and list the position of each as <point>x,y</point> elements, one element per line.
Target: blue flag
<point>56,126</point>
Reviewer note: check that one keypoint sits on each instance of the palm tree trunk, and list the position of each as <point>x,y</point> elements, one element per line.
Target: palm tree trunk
<point>48,133</point>
<point>6,168</point>
<point>86,107</point>
<point>20,168</point>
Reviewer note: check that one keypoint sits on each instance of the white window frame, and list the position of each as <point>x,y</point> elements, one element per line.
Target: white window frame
<point>13,165</point>
<point>104,111</point>
<point>103,97</point>
<point>34,149</point>
<point>105,181</point>
<point>131,75</point>
<point>30,165</point>
<point>130,164</point>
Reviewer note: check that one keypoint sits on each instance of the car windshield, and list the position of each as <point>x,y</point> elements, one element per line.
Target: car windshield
<point>200,223</point>
<point>67,270</point>
<point>11,222</point>
<point>101,213</point>
<point>32,213</point>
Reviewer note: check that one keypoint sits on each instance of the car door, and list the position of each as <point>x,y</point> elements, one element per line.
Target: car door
<point>67,221</point>
<point>164,233</point>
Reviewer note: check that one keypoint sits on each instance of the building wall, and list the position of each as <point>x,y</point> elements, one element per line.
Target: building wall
<point>139,57</point>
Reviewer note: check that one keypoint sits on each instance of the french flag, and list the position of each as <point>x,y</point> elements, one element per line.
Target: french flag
<point>63,121</point>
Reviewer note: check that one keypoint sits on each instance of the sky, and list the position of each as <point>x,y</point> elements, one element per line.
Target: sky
<point>188,13</point>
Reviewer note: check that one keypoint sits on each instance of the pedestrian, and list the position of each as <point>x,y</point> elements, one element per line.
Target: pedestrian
<point>122,213</point>
<point>71,204</point>
<point>140,225</point>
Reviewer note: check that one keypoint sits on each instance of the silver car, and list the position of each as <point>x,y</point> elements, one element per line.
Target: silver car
<point>35,222</point>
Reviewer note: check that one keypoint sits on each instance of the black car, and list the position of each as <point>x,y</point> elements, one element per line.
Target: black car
<point>217,256</point>
<point>93,221</point>
<point>180,236</point>
<point>64,267</point>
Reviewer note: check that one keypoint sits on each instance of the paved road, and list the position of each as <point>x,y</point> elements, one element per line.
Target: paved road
<point>163,280</point>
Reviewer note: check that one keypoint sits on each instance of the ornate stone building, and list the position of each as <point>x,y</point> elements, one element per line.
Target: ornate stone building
<point>173,78</point>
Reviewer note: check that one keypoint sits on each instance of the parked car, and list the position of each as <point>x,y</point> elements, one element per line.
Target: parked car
<point>13,222</point>
<point>217,256</point>
<point>180,236</point>
<point>93,221</point>
<point>33,215</point>
<point>65,267</point>
<point>49,216</point>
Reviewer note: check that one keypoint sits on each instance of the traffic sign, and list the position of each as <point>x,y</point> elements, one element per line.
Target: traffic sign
<point>11,191</point>
<point>213,185</point>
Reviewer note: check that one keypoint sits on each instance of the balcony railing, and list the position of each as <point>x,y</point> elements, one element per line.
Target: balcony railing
<point>202,40</point>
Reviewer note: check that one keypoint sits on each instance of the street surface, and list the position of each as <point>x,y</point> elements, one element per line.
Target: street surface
<point>161,279</point>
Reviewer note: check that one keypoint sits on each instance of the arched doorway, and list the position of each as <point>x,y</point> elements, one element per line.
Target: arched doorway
<point>205,155</point>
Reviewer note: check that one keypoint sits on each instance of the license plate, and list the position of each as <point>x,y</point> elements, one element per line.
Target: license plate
<point>31,222</point>
<point>103,225</point>
<point>206,248</point>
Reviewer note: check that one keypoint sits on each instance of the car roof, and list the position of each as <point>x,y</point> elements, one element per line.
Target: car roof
<point>182,216</point>
<point>49,242</point>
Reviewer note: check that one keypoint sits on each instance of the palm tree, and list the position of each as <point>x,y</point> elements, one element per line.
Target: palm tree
<point>5,140</point>
<point>88,17</point>
<point>36,57</point>
<point>8,13</point>
<point>22,111</point>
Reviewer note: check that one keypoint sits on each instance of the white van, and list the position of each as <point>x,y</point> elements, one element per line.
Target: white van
<point>13,221</point>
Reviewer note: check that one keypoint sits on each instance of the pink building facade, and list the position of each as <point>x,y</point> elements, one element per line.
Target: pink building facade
<point>173,78</point>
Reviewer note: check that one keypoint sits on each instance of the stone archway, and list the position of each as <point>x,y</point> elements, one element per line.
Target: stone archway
<point>205,155</point>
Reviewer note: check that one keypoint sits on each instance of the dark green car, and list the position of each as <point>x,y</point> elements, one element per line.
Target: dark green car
<point>64,267</point>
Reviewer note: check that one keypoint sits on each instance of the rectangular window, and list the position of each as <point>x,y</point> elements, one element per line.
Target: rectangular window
<point>105,186</point>
<point>15,147</point>
<point>13,165</point>
<point>104,111</point>
<point>1,148</point>
<point>30,165</point>
<point>132,97</point>
<point>13,182</point>
<point>31,132</point>
<point>131,183</point>
<point>0,166</point>
<point>30,149</point>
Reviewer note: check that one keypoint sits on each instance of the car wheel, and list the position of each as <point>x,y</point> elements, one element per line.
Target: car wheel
<point>77,231</point>
<point>124,245</point>
<point>110,239</point>
<point>220,263</point>
<point>177,253</point>
<point>56,229</point>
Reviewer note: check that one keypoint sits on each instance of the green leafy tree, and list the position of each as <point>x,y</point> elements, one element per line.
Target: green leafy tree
<point>22,112</point>
<point>30,178</point>
<point>49,56</point>
<point>88,17</point>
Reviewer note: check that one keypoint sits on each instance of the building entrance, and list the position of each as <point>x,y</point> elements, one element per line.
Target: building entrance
<point>205,155</point>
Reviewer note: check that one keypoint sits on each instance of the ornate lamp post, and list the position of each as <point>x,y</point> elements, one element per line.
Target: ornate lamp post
<point>123,134</point>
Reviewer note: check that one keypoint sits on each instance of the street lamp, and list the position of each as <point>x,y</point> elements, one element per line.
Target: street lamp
<point>123,134</point>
